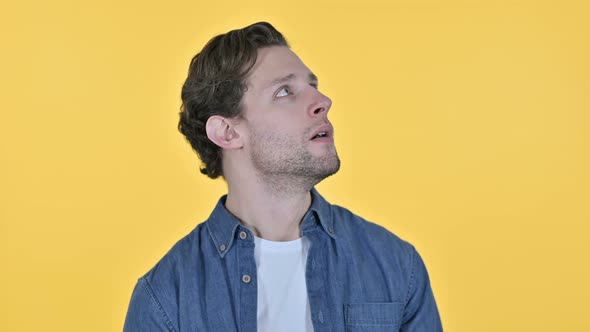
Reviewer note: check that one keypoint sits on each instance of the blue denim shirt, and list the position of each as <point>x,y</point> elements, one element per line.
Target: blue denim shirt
<point>360,277</point>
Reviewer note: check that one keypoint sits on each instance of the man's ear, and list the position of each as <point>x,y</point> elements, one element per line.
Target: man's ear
<point>223,133</point>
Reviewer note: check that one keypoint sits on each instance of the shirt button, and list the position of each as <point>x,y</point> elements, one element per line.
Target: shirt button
<point>330,230</point>
<point>222,247</point>
<point>243,235</point>
<point>246,279</point>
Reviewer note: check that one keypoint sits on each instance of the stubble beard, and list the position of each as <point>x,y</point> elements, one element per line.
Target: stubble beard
<point>285,164</point>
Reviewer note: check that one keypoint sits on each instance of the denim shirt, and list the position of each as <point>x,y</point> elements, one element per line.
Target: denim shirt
<point>360,277</point>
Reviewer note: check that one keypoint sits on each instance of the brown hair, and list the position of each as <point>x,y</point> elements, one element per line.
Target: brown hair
<point>216,83</point>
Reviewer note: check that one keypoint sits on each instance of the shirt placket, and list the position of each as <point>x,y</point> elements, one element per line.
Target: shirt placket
<point>315,281</point>
<point>247,284</point>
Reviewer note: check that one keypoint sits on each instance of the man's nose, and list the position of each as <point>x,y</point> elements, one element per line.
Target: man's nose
<point>321,104</point>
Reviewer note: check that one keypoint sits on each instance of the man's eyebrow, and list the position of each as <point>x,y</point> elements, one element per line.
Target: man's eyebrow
<point>312,77</point>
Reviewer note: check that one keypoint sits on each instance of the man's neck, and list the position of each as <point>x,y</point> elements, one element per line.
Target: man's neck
<point>268,213</point>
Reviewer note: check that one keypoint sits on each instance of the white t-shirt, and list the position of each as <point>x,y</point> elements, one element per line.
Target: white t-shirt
<point>282,292</point>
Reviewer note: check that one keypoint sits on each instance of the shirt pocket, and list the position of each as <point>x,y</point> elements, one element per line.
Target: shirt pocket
<point>372,317</point>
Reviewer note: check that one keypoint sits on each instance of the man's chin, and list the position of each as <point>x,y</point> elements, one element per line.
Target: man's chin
<point>331,167</point>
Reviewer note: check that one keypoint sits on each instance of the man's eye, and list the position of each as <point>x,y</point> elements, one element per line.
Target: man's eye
<point>283,92</point>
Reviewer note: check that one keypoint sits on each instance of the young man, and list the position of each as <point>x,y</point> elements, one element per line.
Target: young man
<point>274,255</point>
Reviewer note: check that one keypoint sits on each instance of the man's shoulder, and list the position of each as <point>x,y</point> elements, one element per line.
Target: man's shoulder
<point>356,229</point>
<point>156,292</point>
<point>179,257</point>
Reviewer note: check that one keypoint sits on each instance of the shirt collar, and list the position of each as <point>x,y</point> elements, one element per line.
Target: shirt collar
<point>320,210</point>
<point>222,225</point>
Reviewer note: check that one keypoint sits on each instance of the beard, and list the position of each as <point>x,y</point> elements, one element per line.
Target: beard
<point>285,162</point>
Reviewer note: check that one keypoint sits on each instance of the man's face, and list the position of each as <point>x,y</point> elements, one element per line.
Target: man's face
<point>283,114</point>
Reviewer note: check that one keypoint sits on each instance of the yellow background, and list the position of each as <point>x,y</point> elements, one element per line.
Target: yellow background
<point>463,127</point>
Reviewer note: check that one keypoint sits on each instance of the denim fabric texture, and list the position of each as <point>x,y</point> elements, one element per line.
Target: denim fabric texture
<point>360,277</point>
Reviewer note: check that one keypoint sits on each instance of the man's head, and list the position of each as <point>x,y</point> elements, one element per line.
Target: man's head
<point>216,83</point>
<point>250,99</point>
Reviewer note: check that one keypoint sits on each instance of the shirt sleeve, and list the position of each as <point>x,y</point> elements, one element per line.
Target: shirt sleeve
<point>145,312</point>
<point>420,312</point>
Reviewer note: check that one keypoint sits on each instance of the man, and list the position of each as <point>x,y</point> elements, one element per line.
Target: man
<point>274,255</point>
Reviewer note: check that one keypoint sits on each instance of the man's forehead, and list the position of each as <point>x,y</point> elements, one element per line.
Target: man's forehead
<point>288,78</point>
<point>276,65</point>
